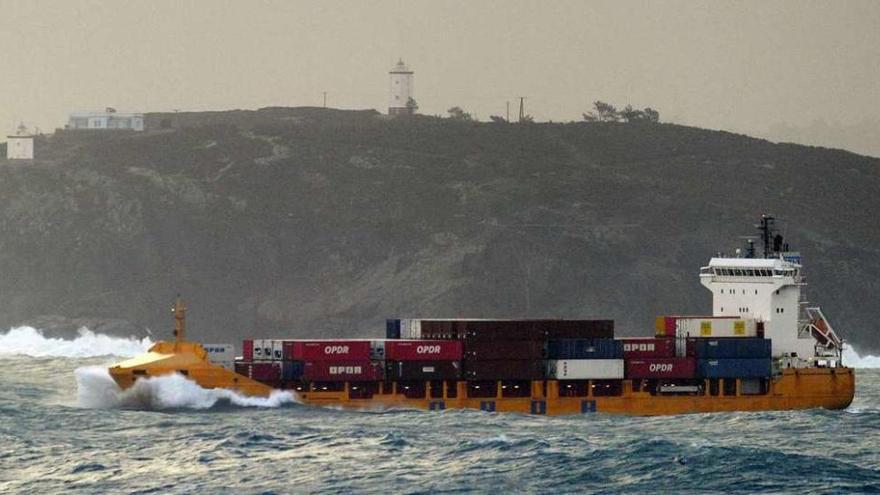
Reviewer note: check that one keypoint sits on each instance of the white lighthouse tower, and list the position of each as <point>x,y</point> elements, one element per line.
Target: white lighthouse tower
<point>401,101</point>
<point>20,146</point>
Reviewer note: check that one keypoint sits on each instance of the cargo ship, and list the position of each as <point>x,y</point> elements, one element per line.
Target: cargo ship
<point>761,348</point>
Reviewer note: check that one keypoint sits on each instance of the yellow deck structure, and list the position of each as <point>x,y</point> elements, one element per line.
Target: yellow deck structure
<point>187,358</point>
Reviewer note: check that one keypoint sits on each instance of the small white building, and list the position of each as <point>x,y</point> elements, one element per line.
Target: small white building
<point>401,101</point>
<point>20,146</point>
<point>109,119</point>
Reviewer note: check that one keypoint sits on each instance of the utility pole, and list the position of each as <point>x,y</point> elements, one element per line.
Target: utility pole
<point>522,113</point>
<point>508,111</point>
<point>325,99</point>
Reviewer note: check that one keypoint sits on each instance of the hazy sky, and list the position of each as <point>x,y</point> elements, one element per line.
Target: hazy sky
<point>733,65</point>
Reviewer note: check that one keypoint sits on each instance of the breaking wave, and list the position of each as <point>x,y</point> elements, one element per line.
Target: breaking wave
<point>853,359</point>
<point>97,390</point>
<point>30,341</point>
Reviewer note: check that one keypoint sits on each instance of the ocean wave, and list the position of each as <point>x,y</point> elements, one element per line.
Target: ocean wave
<point>29,341</point>
<point>852,359</point>
<point>97,390</point>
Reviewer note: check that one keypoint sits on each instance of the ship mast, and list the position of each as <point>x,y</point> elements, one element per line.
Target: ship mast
<point>180,320</point>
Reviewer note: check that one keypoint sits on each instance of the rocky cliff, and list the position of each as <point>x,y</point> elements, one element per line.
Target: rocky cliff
<point>307,222</point>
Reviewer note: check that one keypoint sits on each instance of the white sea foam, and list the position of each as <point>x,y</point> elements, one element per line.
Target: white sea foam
<point>852,359</point>
<point>29,341</point>
<point>97,390</point>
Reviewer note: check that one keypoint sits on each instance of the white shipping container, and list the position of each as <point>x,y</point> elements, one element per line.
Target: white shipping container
<point>258,350</point>
<point>585,369</point>
<point>715,327</point>
<point>410,328</point>
<point>377,350</point>
<point>221,354</point>
<point>277,350</point>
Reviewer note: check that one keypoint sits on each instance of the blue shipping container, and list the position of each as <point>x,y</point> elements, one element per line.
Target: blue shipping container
<point>292,370</point>
<point>585,349</point>
<point>734,368</point>
<point>392,329</point>
<point>733,348</point>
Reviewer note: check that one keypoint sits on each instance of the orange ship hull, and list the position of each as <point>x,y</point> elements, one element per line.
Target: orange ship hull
<point>807,388</point>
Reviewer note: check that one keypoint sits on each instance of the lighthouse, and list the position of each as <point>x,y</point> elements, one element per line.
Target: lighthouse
<point>20,146</point>
<point>401,101</point>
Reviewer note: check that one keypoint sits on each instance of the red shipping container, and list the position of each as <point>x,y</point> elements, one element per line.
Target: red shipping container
<point>243,368</point>
<point>247,350</point>
<point>322,350</point>
<point>423,350</point>
<point>266,371</point>
<point>287,350</point>
<point>661,368</point>
<point>360,370</point>
<point>648,348</point>
<point>504,349</point>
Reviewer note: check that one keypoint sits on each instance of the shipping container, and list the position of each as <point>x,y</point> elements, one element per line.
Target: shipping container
<point>244,368</point>
<point>268,345</point>
<point>422,370</point>
<point>685,347</point>
<point>277,350</point>
<point>503,369</point>
<point>377,350</point>
<point>649,368</point>
<point>734,368</point>
<point>503,349</point>
<point>392,329</point>
<point>314,350</point>
<point>733,348</point>
<point>258,349</point>
<point>220,354</point>
<point>423,350</point>
<point>648,348</point>
<point>585,369</point>
<point>578,329</point>
<point>287,350</point>
<point>495,330</point>
<point>705,326</point>
<point>247,350</point>
<point>292,370</point>
<point>266,371</point>
<point>585,349</point>
<point>347,370</point>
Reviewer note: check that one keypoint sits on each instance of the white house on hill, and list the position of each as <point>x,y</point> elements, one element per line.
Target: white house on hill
<point>109,119</point>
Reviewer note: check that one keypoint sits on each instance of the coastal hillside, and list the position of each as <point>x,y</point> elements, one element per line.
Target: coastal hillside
<point>307,222</point>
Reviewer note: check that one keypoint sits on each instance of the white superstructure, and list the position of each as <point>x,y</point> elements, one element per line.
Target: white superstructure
<point>768,289</point>
<point>400,100</point>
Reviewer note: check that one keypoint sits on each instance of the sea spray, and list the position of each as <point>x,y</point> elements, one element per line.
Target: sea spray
<point>97,390</point>
<point>852,359</point>
<point>29,341</point>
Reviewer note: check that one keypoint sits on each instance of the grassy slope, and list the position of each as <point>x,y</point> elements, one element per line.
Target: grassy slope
<point>321,222</point>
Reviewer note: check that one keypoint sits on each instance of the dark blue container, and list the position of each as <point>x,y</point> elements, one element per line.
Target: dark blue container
<point>292,370</point>
<point>585,349</point>
<point>734,368</point>
<point>392,329</point>
<point>733,348</point>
